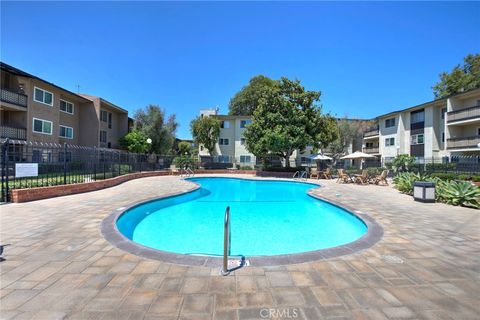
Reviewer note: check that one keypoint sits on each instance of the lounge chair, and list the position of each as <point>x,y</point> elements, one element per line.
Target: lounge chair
<point>343,176</point>
<point>173,169</point>
<point>362,178</point>
<point>314,173</point>
<point>326,174</point>
<point>381,178</point>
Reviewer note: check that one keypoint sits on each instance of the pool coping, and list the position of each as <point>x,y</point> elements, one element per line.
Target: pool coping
<point>111,233</point>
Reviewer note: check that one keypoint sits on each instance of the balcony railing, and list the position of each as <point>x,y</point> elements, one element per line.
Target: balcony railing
<point>371,150</point>
<point>13,97</point>
<point>13,133</point>
<point>464,114</point>
<point>371,133</point>
<point>463,143</point>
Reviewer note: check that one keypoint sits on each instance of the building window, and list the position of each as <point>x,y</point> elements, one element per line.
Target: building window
<point>390,123</point>
<point>444,111</point>
<point>42,126</point>
<point>389,142</point>
<point>417,116</point>
<point>223,142</point>
<point>242,141</point>
<point>109,120</point>
<point>244,123</point>
<point>416,139</point>
<point>66,106</point>
<point>225,125</point>
<point>41,156</point>
<point>478,131</point>
<point>103,136</point>
<point>443,136</point>
<point>245,159</point>
<point>66,132</point>
<point>43,96</point>
<point>103,115</point>
<point>223,159</point>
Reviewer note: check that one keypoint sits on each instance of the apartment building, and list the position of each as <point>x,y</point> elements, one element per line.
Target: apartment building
<point>441,128</point>
<point>32,109</point>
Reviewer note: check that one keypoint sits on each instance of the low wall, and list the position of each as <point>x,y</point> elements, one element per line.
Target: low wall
<point>31,194</point>
<point>274,174</point>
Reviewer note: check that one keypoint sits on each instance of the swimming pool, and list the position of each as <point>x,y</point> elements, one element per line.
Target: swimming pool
<point>267,218</point>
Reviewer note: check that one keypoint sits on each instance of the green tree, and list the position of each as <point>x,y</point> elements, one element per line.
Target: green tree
<point>184,148</point>
<point>349,132</point>
<point>246,100</point>
<point>153,123</point>
<point>205,131</point>
<point>462,78</point>
<point>287,119</point>
<point>135,141</point>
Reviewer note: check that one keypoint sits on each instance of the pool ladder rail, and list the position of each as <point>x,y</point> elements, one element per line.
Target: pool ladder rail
<point>300,175</point>
<point>187,173</point>
<point>227,239</point>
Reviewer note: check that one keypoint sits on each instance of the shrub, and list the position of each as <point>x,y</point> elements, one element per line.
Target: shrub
<point>458,193</point>
<point>403,162</point>
<point>446,176</point>
<point>404,181</point>
<point>246,168</point>
<point>283,169</point>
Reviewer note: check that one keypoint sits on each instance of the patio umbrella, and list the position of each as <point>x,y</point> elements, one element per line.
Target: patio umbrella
<point>320,157</point>
<point>357,155</point>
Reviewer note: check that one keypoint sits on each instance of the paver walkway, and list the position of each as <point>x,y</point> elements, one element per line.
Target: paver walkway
<point>427,266</point>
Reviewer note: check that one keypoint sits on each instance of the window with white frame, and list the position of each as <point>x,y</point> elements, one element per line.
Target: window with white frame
<point>225,124</point>
<point>416,139</point>
<point>43,96</point>
<point>223,142</point>
<point>389,142</point>
<point>417,116</point>
<point>390,122</point>
<point>245,159</point>
<point>103,136</point>
<point>66,132</point>
<point>103,116</point>
<point>244,123</point>
<point>242,141</point>
<point>42,126</point>
<point>66,106</point>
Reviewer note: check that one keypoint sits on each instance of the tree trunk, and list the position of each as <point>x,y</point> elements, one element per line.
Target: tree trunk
<point>287,159</point>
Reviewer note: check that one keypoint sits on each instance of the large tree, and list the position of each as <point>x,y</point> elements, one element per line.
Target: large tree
<point>205,131</point>
<point>286,119</point>
<point>153,123</point>
<point>246,100</point>
<point>349,131</point>
<point>462,78</point>
<point>135,141</point>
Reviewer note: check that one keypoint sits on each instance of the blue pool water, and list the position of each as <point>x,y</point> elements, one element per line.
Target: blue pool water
<point>267,218</point>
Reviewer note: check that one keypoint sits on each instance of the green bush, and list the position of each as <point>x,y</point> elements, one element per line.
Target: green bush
<point>458,193</point>
<point>440,166</point>
<point>404,181</point>
<point>283,169</point>
<point>246,168</point>
<point>446,176</point>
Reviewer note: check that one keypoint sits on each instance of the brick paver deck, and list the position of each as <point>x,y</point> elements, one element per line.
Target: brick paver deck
<point>427,266</point>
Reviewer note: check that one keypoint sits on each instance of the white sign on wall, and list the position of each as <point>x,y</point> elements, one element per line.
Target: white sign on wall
<point>26,170</point>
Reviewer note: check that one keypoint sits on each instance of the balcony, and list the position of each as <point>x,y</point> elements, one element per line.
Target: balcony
<point>371,133</point>
<point>463,143</point>
<point>13,97</point>
<point>464,114</point>
<point>371,150</point>
<point>13,133</point>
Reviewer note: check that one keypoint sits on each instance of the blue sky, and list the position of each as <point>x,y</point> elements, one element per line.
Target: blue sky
<point>366,58</point>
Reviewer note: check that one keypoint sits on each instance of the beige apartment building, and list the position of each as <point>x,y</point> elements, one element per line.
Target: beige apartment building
<point>433,130</point>
<point>32,109</point>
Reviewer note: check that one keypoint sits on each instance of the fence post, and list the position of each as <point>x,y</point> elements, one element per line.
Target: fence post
<point>95,163</point>
<point>4,172</point>
<point>119,163</point>
<point>64,163</point>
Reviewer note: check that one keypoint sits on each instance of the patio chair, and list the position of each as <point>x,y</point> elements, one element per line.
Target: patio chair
<point>381,178</point>
<point>326,174</point>
<point>362,178</point>
<point>343,176</point>
<point>173,169</point>
<point>314,173</point>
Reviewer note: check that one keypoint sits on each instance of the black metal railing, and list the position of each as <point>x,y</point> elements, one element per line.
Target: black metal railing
<point>463,142</point>
<point>13,97</point>
<point>463,114</point>
<point>13,133</point>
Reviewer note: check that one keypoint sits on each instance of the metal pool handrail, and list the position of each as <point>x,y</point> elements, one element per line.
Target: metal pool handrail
<point>226,242</point>
<point>296,174</point>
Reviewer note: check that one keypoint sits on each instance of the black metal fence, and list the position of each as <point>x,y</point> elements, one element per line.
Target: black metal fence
<point>28,164</point>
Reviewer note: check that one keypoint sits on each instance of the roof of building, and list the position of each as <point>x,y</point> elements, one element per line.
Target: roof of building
<point>422,105</point>
<point>8,68</point>
<point>91,98</point>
